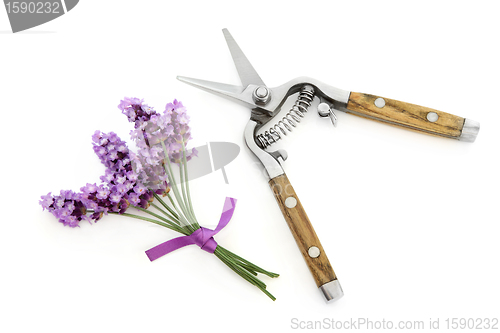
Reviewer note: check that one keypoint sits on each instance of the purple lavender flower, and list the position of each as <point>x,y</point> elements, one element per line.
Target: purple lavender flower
<point>121,189</point>
<point>129,185</point>
<point>47,201</point>
<point>180,121</point>
<point>90,204</point>
<point>102,193</point>
<point>127,173</point>
<point>115,197</point>
<point>120,181</point>
<point>134,199</point>
<point>181,133</point>
<point>140,189</point>
<point>89,188</point>
<point>171,128</point>
<point>132,176</point>
<point>136,111</point>
<point>71,221</point>
<point>67,207</point>
<point>150,128</point>
<point>113,155</point>
<point>108,177</point>
<point>105,147</point>
<point>120,177</point>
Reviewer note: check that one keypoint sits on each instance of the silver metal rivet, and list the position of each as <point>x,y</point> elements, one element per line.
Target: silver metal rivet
<point>432,117</point>
<point>313,252</point>
<point>261,95</point>
<point>324,109</point>
<point>290,202</point>
<point>261,92</point>
<point>380,102</point>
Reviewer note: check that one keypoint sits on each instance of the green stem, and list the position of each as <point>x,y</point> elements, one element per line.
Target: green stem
<point>172,202</point>
<point>166,214</point>
<point>150,220</point>
<point>252,278</point>
<point>240,266</point>
<point>172,224</point>
<point>183,192</point>
<point>247,268</point>
<point>184,224</point>
<point>190,204</point>
<point>241,273</point>
<point>219,252</point>
<point>253,266</point>
<point>160,200</point>
<point>168,169</point>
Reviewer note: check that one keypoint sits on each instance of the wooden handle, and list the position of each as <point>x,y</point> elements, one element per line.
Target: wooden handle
<point>406,115</point>
<point>302,230</point>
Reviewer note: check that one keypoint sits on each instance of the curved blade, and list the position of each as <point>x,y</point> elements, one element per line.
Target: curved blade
<point>247,73</point>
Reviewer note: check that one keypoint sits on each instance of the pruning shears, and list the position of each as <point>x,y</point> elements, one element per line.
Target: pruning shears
<point>265,104</point>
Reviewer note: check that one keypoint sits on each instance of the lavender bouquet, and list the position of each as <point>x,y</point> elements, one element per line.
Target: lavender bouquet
<point>144,180</point>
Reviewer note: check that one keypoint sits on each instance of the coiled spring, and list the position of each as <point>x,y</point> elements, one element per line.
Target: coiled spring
<point>290,120</point>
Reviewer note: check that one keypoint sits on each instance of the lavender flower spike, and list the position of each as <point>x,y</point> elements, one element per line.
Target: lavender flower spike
<point>67,207</point>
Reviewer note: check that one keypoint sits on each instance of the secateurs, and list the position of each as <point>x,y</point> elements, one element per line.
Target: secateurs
<point>265,104</point>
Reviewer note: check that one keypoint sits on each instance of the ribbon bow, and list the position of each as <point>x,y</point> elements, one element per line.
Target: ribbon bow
<point>203,237</point>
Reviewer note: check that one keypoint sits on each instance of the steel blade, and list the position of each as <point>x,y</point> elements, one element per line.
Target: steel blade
<point>235,93</point>
<point>247,73</point>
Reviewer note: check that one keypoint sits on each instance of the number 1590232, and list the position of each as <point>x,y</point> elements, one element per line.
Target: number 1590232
<point>15,7</point>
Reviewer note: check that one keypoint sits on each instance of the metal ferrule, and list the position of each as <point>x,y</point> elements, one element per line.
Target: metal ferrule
<point>469,131</point>
<point>332,291</point>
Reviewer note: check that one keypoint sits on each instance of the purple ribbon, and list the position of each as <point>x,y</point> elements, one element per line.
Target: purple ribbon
<point>202,237</point>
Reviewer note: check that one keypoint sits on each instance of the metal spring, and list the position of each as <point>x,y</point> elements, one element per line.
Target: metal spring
<point>290,120</point>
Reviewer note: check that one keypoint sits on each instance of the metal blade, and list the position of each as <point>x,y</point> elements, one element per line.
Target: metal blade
<point>247,73</point>
<point>225,90</point>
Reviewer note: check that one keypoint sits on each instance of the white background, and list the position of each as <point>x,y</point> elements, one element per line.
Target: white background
<point>409,221</point>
